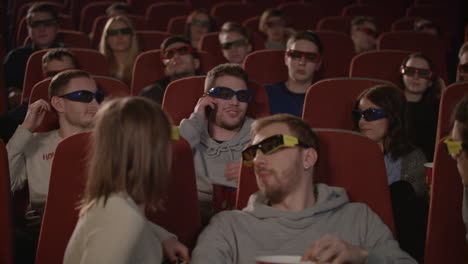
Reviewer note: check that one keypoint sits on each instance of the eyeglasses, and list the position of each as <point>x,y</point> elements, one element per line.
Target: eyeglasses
<point>200,23</point>
<point>45,22</point>
<point>276,23</point>
<point>170,53</point>
<point>454,147</point>
<point>369,31</point>
<point>412,71</point>
<point>309,56</point>
<point>369,114</point>
<point>235,43</point>
<point>84,96</point>
<point>463,68</point>
<point>270,145</point>
<point>227,93</point>
<point>123,31</point>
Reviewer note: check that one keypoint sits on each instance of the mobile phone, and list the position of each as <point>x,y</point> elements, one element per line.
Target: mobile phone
<point>210,112</point>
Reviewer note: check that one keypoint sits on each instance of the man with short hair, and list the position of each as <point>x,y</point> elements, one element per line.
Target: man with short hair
<point>218,130</point>
<point>303,59</point>
<point>42,29</point>
<point>462,71</point>
<point>291,215</point>
<point>57,60</point>
<point>235,42</point>
<point>364,33</point>
<point>180,60</point>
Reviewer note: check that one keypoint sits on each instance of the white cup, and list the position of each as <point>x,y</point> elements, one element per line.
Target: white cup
<point>281,260</point>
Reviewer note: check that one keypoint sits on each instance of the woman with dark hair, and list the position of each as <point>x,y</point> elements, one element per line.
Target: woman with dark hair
<point>128,173</point>
<point>380,114</point>
<point>274,24</point>
<point>422,88</point>
<point>198,23</point>
<point>457,145</point>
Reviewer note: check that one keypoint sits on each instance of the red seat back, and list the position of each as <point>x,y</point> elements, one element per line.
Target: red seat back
<point>266,66</point>
<point>6,217</point>
<point>337,54</point>
<point>176,25</point>
<point>305,16</point>
<point>159,14</point>
<point>90,11</point>
<point>337,167</point>
<point>450,96</point>
<point>335,23</point>
<point>151,39</point>
<point>232,11</point>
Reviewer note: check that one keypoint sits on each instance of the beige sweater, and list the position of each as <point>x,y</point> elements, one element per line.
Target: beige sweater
<point>115,233</point>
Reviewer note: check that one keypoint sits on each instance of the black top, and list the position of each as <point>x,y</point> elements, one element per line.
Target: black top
<point>422,126</point>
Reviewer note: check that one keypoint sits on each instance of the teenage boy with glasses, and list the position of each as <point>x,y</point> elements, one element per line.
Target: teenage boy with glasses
<point>42,23</point>
<point>180,60</point>
<point>218,130</point>
<point>303,59</point>
<point>235,42</point>
<point>291,215</point>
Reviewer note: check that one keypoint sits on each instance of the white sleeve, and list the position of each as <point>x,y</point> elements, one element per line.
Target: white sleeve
<point>16,157</point>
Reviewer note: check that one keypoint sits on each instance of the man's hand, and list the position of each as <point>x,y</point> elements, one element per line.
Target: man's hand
<point>173,250</point>
<point>232,171</point>
<point>203,102</point>
<point>35,115</point>
<point>335,251</point>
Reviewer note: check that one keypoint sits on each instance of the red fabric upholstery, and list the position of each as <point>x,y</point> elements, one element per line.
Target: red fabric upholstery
<point>110,86</point>
<point>159,14</point>
<point>306,15</point>
<point>335,23</point>
<point>369,65</point>
<point>90,60</point>
<point>90,11</point>
<point>6,217</point>
<point>324,109</point>
<point>182,214</point>
<point>151,39</point>
<point>445,241</point>
<point>252,24</point>
<point>450,96</point>
<point>404,23</point>
<point>266,66</point>
<point>232,11</point>
<point>176,25</point>
<point>337,54</point>
<point>337,167</point>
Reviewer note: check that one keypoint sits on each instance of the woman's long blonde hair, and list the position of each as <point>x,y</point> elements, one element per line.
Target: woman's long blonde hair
<point>131,153</point>
<point>132,52</point>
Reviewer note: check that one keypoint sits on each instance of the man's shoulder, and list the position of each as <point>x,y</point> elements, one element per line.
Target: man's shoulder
<point>275,85</point>
<point>25,50</point>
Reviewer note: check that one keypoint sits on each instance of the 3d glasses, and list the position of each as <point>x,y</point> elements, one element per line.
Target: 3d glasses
<point>369,32</point>
<point>309,56</point>
<point>84,96</point>
<point>45,22</point>
<point>454,147</point>
<point>170,53</point>
<point>123,31</point>
<point>236,43</point>
<point>200,23</point>
<point>227,93</point>
<point>463,68</point>
<point>412,71</point>
<point>369,114</point>
<point>270,145</point>
<point>276,23</point>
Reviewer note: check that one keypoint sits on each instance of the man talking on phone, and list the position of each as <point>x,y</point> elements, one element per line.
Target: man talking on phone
<point>218,130</point>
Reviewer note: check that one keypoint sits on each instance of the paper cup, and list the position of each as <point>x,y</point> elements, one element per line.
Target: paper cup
<point>429,167</point>
<point>281,260</point>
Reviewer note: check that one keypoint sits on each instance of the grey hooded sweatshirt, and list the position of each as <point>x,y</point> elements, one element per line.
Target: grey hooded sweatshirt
<point>259,230</point>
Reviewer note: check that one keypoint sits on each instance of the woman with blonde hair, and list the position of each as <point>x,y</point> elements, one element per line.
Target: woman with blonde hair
<point>128,173</point>
<point>120,45</point>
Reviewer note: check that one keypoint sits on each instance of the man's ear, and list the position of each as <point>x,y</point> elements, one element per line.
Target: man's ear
<point>57,104</point>
<point>196,64</point>
<point>310,158</point>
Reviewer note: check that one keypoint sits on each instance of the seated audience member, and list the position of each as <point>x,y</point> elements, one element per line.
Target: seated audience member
<point>364,33</point>
<point>198,23</point>
<point>422,88</point>
<point>379,114</point>
<point>112,227</point>
<point>57,60</point>
<point>291,215</point>
<point>118,9</point>
<point>426,26</point>
<point>457,146</point>
<point>235,42</point>
<point>120,45</point>
<point>218,130</point>
<point>42,26</point>
<point>180,60</point>
<point>462,72</point>
<point>303,59</point>
<point>273,23</point>
<point>74,96</point>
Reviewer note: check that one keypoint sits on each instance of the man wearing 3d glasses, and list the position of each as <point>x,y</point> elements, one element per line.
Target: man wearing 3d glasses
<point>42,29</point>
<point>234,40</point>
<point>364,33</point>
<point>303,59</point>
<point>74,97</point>
<point>218,130</point>
<point>462,70</point>
<point>180,60</point>
<point>291,215</point>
